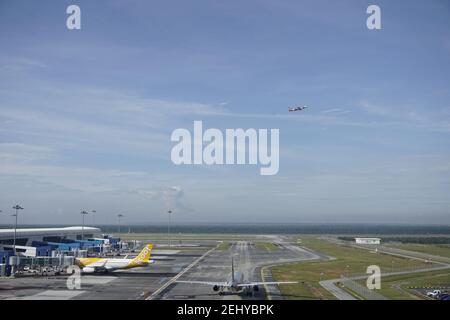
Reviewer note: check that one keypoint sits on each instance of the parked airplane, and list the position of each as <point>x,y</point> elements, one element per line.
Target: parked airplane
<point>293,109</point>
<point>236,283</point>
<point>91,265</point>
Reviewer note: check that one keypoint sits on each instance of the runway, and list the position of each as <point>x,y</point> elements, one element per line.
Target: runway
<point>216,266</point>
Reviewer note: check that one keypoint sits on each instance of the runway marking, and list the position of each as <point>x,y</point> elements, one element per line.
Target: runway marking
<point>51,295</point>
<point>268,295</point>
<point>96,279</point>
<point>175,278</point>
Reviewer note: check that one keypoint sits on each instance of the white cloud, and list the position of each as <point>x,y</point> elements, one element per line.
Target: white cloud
<point>375,109</point>
<point>24,153</point>
<point>18,64</point>
<point>337,111</point>
<point>173,197</point>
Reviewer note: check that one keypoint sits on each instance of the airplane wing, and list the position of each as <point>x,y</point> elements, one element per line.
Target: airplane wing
<point>103,267</point>
<point>249,284</point>
<point>208,283</point>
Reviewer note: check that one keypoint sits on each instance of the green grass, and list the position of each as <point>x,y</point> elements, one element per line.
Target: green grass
<point>178,236</point>
<point>349,260</point>
<point>442,250</point>
<point>350,291</point>
<point>269,246</point>
<point>224,245</point>
<point>397,287</point>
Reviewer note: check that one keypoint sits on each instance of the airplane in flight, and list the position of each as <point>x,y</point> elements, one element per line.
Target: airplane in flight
<point>293,109</point>
<point>236,283</point>
<point>104,265</point>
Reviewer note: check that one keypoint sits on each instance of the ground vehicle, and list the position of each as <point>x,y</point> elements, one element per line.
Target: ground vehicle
<point>434,293</point>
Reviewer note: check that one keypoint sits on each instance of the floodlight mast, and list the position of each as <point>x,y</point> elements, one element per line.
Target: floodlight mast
<point>120,216</point>
<point>17,208</point>
<point>83,213</point>
<point>168,228</point>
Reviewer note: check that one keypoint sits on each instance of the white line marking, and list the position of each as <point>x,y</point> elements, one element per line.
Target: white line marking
<point>175,278</point>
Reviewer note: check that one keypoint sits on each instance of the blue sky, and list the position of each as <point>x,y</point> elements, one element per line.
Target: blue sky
<point>86,115</point>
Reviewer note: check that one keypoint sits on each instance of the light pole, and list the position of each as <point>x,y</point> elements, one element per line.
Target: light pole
<point>83,213</point>
<point>17,208</point>
<point>93,217</point>
<point>119,216</point>
<point>168,228</point>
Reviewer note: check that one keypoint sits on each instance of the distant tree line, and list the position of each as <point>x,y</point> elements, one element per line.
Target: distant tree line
<point>267,228</point>
<point>416,240</point>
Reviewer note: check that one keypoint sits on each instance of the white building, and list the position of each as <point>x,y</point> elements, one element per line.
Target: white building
<point>368,240</point>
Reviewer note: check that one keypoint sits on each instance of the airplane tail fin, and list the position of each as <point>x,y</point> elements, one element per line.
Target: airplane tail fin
<point>144,255</point>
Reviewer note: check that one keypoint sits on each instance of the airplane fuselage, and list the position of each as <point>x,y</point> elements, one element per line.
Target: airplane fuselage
<point>235,284</point>
<point>108,264</point>
<point>293,109</point>
<point>92,265</point>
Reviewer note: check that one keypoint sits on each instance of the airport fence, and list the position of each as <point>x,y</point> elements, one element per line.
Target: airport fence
<point>420,255</point>
<point>361,290</point>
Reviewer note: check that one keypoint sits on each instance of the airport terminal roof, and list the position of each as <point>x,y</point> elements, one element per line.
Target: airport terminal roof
<point>47,231</point>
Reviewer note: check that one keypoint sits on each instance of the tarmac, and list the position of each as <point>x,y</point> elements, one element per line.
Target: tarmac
<point>199,260</point>
<point>216,266</point>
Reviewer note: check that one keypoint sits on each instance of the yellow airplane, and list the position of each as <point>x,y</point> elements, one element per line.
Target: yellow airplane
<point>104,265</point>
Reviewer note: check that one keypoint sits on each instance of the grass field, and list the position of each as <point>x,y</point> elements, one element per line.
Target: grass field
<point>177,237</point>
<point>442,250</point>
<point>224,245</point>
<point>349,260</point>
<point>269,246</point>
<point>397,287</point>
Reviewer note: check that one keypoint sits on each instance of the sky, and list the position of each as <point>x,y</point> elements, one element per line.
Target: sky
<point>86,115</point>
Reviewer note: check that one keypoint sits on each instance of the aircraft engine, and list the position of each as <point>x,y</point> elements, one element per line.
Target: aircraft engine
<point>88,270</point>
<point>255,288</point>
<point>216,288</point>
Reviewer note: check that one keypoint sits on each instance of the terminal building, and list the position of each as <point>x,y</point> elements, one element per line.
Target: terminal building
<point>26,237</point>
<point>51,246</point>
<point>55,247</point>
<point>368,240</point>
